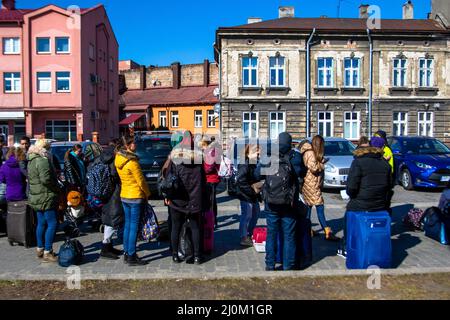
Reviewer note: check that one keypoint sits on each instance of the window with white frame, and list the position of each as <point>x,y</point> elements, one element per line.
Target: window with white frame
<point>198,118</point>
<point>163,119</point>
<point>249,72</point>
<point>399,72</point>
<point>351,125</point>
<point>352,72</point>
<point>44,82</point>
<point>277,122</point>
<point>325,77</point>
<point>211,119</point>
<point>11,45</point>
<point>426,72</point>
<point>325,123</point>
<point>63,82</point>
<point>425,124</point>
<point>400,124</point>
<point>62,130</point>
<point>250,124</point>
<point>43,46</point>
<point>62,45</point>
<point>12,82</point>
<point>277,71</point>
<point>175,119</point>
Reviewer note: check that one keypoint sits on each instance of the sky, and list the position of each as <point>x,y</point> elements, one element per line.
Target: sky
<point>155,32</point>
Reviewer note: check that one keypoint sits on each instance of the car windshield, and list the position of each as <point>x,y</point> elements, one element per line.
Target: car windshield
<point>424,146</point>
<point>150,150</point>
<point>339,148</point>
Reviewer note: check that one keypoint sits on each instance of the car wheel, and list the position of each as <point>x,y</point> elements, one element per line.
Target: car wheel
<point>406,180</point>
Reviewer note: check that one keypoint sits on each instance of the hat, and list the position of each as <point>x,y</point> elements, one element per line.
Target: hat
<point>382,134</point>
<point>377,142</point>
<point>74,198</point>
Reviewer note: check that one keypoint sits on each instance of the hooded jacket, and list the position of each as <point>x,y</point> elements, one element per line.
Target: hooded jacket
<point>11,174</point>
<point>44,189</point>
<point>312,187</point>
<point>133,182</point>
<point>245,179</point>
<point>369,181</point>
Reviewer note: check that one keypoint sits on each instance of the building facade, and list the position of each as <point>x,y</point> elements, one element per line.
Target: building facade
<point>274,71</point>
<point>58,73</point>
<point>177,97</point>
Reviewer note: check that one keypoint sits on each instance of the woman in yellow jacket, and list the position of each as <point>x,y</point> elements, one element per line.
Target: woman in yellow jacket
<point>134,195</point>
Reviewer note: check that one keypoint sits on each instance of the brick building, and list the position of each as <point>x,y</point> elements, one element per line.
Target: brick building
<point>173,97</point>
<point>266,65</point>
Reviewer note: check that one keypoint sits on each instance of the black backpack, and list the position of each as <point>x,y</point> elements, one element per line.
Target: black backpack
<point>168,184</point>
<point>280,186</point>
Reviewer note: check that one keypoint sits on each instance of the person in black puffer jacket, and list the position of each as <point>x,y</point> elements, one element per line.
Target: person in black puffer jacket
<point>248,195</point>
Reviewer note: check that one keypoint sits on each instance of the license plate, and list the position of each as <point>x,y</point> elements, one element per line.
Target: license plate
<point>152,175</point>
<point>445,179</point>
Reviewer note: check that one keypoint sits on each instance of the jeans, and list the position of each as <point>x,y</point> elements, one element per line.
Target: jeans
<point>46,219</point>
<point>133,213</point>
<point>284,223</point>
<point>212,196</point>
<point>249,218</point>
<point>178,219</point>
<point>320,214</point>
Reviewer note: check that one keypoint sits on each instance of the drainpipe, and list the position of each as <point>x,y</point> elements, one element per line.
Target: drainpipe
<point>220,86</point>
<point>370,81</point>
<point>308,84</point>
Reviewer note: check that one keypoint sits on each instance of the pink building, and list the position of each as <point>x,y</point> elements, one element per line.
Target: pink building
<point>58,73</point>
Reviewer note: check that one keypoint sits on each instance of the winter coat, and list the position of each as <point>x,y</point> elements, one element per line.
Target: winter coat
<point>369,181</point>
<point>74,170</point>
<point>11,174</point>
<point>133,182</point>
<point>245,178</point>
<point>191,198</point>
<point>312,187</point>
<point>44,189</point>
<point>212,164</point>
<point>112,211</point>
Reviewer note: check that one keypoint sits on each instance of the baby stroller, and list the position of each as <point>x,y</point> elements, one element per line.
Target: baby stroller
<point>74,214</point>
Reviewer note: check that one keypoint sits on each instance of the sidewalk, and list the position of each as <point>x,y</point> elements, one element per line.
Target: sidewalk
<point>412,252</point>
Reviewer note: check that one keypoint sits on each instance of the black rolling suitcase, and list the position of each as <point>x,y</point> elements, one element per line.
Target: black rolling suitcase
<point>21,224</point>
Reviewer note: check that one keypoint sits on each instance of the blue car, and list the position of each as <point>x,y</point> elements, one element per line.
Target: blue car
<point>420,162</point>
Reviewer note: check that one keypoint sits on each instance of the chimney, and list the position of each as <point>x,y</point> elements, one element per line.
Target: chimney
<point>206,73</point>
<point>8,4</point>
<point>143,80</point>
<point>408,10</point>
<point>364,11</point>
<point>286,12</point>
<point>253,20</point>
<point>176,75</point>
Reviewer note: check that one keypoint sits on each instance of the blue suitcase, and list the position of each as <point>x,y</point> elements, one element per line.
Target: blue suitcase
<point>435,228</point>
<point>368,239</point>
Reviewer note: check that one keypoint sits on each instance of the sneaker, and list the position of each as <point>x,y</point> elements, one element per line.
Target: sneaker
<point>40,253</point>
<point>49,257</point>
<point>247,242</point>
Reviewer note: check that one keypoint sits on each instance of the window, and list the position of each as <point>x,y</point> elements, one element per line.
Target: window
<point>44,82</point>
<point>198,118</point>
<point>12,82</point>
<point>250,124</point>
<point>63,45</point>
<point>325,124</point>
<point>277,70</point>
<point>426,72</point>
<point>62,130</point>
<point>211,119</point>
<point>425,124</point>
<point>63,82</point>
<point>163,119</point>
<point>351,125</point>
<point>11,45</point>
<point>43,45</point>
<point>277,124</point>
<point>175,119</point>
<point>250,72</point>
<point>399,76</point>
<point>351,72</point>
<point>91,51</point>
<point>325,72</point>
<point>400,127</point>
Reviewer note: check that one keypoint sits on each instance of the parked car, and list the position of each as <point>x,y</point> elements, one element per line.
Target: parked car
<point>33,141</point>
<point>91,150</point>
<point>420,162</point>
<point>153,150</point>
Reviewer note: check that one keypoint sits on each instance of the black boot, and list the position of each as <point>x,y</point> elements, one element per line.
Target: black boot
<point>135,261</point>
<point>125,258</point>
<point>115,251</point>
<point>107,252</point>
<point>176,258</point>
<point>198,260</point>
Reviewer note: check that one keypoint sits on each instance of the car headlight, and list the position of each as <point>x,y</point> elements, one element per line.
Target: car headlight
<point>424,166</point>
<point>330,168</point>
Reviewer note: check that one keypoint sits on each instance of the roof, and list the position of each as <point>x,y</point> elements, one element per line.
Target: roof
<point>131,119</point>
<point>193,95</point>
<point>340,24</point>
<point>18,15</point>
